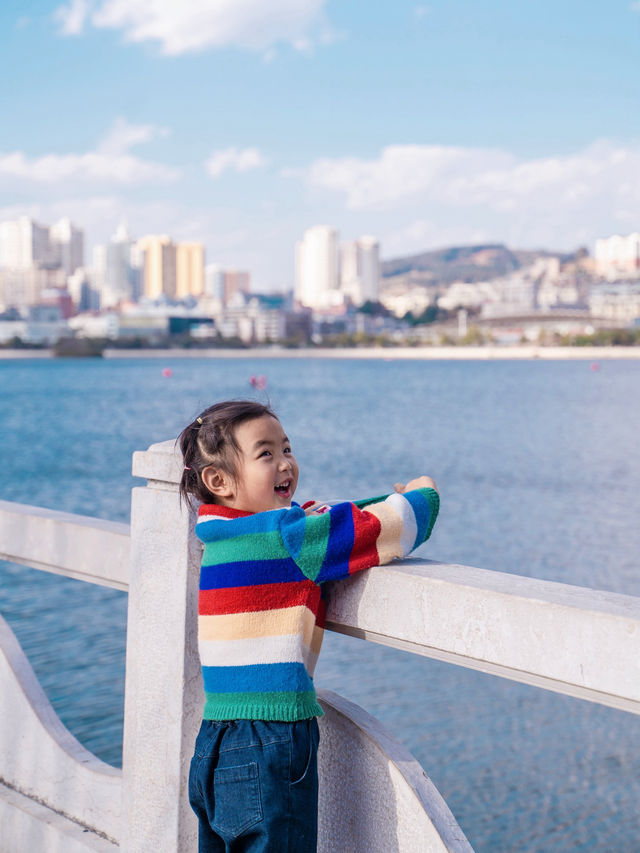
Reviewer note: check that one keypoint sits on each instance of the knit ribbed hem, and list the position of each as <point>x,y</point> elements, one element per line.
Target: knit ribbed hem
<point>286,707</point>
<point>434,502</point>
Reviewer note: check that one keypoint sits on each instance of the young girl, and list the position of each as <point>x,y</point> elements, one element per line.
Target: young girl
<point>253,782</point>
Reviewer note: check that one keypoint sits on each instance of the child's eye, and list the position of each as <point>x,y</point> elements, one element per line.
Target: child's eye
<point>264,453</point>
<point>288,450</point>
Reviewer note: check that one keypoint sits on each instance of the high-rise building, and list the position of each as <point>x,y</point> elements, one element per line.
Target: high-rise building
<point>67,245</point>
<point>360,270</point>
<point>369,258</point>
<point>316,283</point>
<point>214,282</point>
<point>234,281</point>
<point>121,275</point>
<point>618,256</point>
<point>189,270</point>
<point>24,243</point>
<point>159,266</point>
<point>84,295</point>
<point>28,261</point>
<point>349,269</point>
<point>98,270</point>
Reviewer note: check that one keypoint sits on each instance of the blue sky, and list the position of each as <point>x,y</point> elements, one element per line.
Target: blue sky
<point>240,122</point>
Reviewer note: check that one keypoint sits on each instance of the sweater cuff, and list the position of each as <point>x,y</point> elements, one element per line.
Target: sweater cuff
<point>425,504</point>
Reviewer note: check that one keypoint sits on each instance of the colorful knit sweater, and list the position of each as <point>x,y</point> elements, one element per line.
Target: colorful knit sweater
<point>261,606</point>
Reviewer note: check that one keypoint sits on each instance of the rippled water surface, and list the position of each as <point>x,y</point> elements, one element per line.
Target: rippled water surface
<point>539,471</point>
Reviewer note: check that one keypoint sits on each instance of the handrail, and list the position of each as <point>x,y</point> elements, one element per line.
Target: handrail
<point>580,642</point>
<point>77,546</point>
<point>572,640</point>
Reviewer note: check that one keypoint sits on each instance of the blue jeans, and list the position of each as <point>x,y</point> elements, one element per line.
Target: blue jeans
<point>254,786</point>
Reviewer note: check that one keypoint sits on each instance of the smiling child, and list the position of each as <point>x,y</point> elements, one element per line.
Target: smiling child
<point>253,782</point>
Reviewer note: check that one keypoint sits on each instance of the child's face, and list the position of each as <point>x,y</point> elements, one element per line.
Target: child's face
<point>267,470</point>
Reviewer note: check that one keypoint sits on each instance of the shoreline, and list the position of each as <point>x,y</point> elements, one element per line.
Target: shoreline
<point>488,353</point>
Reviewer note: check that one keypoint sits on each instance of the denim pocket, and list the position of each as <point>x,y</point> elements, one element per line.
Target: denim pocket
<point>237,804</point>
<point>304,746</point>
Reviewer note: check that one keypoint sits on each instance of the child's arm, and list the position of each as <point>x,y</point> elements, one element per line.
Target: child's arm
<point>347,538</point>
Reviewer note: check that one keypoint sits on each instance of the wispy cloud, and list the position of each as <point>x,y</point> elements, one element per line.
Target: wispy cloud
<point>494,178</point>
<point>232,159</point>
<point>401,172</point>
<point>197,25</point>
<point>635,6</point>
<point>422,196</point>
<point>109,161</point>
<point>122,136</point>
<point>72,17</point>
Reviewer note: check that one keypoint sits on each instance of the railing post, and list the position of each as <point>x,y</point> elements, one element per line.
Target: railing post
<point>163,698</point>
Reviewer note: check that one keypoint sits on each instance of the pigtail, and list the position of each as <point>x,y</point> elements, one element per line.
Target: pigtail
<point>190,479</point>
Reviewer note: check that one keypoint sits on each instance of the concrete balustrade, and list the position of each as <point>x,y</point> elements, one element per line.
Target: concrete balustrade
<point>77,546</point>
<point>42,764</point>
<point>580,642</point>
<point>57,796</point>
<point>163,688</point>
<point>392,805</point>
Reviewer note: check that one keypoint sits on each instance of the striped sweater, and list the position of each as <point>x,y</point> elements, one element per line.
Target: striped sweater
<point>261,604</point>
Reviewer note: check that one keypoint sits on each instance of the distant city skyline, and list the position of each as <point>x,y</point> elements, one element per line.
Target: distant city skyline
<point>426,125</point>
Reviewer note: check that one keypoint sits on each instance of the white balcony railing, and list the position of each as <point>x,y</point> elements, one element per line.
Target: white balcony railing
<point>576,641</point>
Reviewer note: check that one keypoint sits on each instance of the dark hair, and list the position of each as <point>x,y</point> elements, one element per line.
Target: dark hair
<point>210,440</point>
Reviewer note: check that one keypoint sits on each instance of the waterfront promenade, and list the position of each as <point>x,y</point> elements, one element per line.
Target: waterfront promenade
<point>436,353</point>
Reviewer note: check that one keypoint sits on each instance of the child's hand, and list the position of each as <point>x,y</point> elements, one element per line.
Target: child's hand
<point>418,483</point>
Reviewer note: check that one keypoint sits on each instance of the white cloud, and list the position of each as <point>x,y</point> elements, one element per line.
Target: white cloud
<point>574,185</point>
<point>417,197</point>
<point>123,136</point>
<point>401,172</point>
<point>72,17</point>
<point>110,161</point>
<point>196,25</point>
<point>635,6</point>
<point>493,178</point>
<point>232,159</point>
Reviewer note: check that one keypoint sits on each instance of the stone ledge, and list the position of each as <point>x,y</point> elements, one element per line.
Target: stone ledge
<point>89,549</point>
<point>27,825</point>
<point>162,462</point>
<point>572,640</point>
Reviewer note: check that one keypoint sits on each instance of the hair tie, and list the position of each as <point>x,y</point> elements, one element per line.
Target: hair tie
<point>199,421</point>
<point>186,468</point>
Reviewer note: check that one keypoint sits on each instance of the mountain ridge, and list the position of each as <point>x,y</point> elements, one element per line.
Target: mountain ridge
<point>468,263</point>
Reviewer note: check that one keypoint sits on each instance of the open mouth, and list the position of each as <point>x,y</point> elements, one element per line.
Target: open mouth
<point>284,489</point>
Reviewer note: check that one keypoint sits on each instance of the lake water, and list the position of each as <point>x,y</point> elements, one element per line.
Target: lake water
<point>539,472</point>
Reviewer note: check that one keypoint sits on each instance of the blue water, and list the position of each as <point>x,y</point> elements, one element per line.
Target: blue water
<point>539,471</point>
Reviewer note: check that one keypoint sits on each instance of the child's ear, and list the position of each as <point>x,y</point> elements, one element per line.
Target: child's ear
<point>218,482</point>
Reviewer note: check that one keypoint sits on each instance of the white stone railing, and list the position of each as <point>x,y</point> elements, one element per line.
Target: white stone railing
<point>576,641</point>
<point>580,642</point>
<point>88,549</point>
<point>54,794</point>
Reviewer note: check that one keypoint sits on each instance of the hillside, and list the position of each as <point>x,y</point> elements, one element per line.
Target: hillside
<point>465,263</point>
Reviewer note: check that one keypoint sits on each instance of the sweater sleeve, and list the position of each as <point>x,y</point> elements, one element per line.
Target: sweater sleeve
<point>347,539</point>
